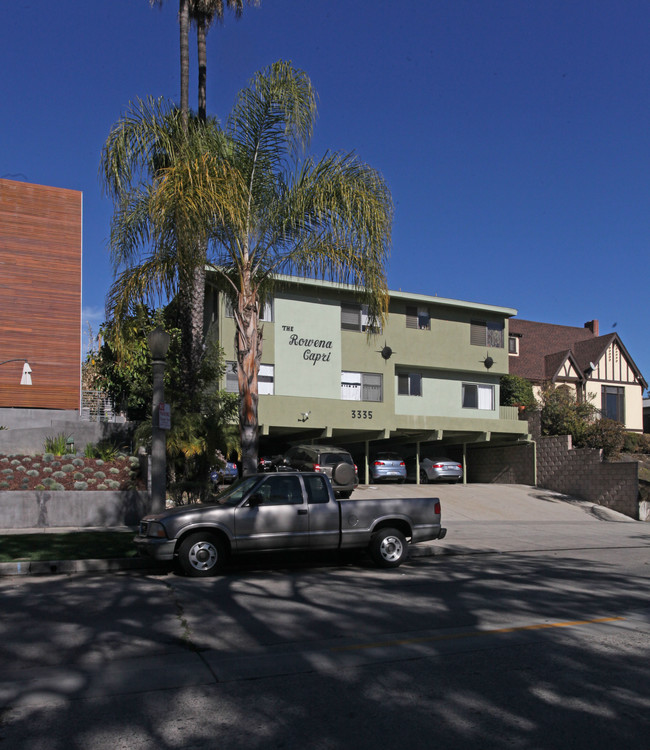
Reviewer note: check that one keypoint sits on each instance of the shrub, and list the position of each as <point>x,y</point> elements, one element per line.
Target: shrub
<point>516,391</point>
<point>606,434</point>
<point>636,442</point>
<point>107,450</point>
<point>563,414</point>
<point>56,444</point>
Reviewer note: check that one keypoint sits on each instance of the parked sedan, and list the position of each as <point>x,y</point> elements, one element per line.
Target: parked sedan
<point>436,470</point>
<point>226,475</point>
<point>387,466</point>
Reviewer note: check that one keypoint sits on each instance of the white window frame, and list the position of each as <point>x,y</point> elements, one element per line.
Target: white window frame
<point>414,383</point>
<point>356,386</point>
<point>484,396</point>
<point>418,318</point>
<point>265,379</point>
<point>357,317</point>
<point>487,333</point>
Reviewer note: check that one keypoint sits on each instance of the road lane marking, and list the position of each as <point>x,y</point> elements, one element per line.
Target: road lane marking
<point>475,633</point>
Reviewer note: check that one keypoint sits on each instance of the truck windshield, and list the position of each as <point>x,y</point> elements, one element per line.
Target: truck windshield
<point>237,492</point>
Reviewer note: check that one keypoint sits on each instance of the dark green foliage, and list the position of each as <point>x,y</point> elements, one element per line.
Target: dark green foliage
<point>635,442</point>
<point>516,391</point>
<point>200,417</point>
<point>605,434</point>
<point>563,414</point>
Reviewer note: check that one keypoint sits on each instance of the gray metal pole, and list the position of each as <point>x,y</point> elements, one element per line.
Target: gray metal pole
<point>158,442</point>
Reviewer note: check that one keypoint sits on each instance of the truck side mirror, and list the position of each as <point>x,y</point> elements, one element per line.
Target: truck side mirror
<point>256,499</point>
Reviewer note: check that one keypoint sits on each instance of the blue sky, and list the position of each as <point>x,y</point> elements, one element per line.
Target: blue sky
<point>513,134</point>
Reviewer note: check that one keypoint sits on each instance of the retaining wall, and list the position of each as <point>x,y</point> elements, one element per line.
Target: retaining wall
<point>45,509</point>
<point>511,464</point>
<point>583,473</point>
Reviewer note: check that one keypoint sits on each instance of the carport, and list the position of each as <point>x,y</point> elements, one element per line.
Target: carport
<point>410,444</point>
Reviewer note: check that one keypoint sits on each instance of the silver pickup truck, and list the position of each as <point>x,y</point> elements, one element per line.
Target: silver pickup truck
<point>265,512</point>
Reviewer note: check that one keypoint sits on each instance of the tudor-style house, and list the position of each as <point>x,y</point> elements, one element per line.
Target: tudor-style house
<point>599,367</point>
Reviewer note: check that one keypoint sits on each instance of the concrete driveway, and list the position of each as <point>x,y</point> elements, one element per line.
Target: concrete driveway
<point>482,518</point>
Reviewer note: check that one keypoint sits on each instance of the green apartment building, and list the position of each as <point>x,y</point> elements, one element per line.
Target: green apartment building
<point>425,385</point>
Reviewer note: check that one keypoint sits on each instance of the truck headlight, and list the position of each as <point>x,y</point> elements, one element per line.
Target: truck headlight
<point>157,530</point>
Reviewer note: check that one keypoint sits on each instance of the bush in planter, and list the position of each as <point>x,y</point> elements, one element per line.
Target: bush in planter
<point>516,391</point>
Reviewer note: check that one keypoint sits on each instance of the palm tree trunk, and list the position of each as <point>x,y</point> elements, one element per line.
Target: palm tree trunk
<point>248,344</point>
<point>203,64</point>
<point>184,23</point>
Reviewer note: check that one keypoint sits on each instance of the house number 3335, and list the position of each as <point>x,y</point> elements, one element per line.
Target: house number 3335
<point>361,414</point>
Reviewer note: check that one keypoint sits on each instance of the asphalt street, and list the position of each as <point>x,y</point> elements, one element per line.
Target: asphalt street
<point>527,627</point>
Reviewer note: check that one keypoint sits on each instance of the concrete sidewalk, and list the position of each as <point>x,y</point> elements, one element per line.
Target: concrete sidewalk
<point>480,519</point>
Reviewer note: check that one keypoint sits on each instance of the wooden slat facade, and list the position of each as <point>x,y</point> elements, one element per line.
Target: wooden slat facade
<point>40,295</point>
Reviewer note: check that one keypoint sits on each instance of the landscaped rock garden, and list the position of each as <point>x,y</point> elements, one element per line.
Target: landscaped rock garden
<point>69,472</point>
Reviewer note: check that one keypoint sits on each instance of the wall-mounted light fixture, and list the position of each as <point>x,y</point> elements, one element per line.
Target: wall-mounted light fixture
<point>26,378</point>
<point>304,416</point>
<point>488,362</point>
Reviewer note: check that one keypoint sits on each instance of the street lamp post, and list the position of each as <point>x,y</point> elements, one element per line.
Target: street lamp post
<point>158,341</point>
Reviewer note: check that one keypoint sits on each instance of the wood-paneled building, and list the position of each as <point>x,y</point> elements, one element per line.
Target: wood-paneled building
<point>40,295</point>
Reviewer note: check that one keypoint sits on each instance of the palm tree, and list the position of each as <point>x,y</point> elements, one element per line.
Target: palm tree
<point>203,13</point>
<point>271,213</point>
<point>184,26</point>
<point>158,254</point>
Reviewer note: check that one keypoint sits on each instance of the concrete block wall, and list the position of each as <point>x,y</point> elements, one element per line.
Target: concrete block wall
<point>502,465</point>
<point>46,509</point>
<point>583,473</point>
<point>31,439</point>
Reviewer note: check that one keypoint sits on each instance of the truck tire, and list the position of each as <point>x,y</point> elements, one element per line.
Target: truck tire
<point>388,548</point>
<point>201,554</point>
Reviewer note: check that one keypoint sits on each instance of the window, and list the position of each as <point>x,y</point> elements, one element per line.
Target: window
<point>266,311</point>
<point>417,317</point>
<point>265,379</point>
<point>316,489</point>
<point>355,318</point>
<point>488,333</point>
<point>280,490</point>
<point>513,345</point>
<point>232,382</point>
<point>409,384</point>
<point>613,403</point>
<point>478,396</point>
<point>361,386</point>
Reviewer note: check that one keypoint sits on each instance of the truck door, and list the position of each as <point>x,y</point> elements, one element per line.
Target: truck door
<point>323,513</point>
<point>278,520</point>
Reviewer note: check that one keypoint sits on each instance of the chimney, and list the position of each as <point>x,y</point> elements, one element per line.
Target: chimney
<point>592,325</point>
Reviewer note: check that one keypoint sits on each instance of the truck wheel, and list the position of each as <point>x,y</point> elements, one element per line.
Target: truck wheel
<point>388,548</point>
<point>201,554</point>
<point>424,479</point>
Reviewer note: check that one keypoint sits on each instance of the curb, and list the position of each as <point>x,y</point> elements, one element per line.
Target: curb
<point>51,567</point>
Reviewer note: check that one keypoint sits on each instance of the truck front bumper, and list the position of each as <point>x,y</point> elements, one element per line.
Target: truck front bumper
<point>157,549</point>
